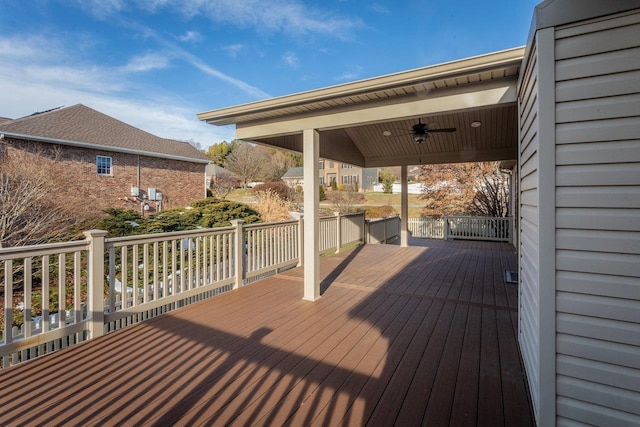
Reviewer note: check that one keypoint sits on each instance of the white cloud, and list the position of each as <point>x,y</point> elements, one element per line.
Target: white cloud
<point>190,36</point>
<point>150,61</point>
<point>233,49</point>
<point>380,9</point>
<point>34,85</point>
<point>354,74</point>
<point>287,16</point>
<point>291,59</point>
<point>101,8</point>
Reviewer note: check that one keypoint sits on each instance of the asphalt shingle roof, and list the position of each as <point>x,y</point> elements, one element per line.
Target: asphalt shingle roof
<point>296,172</point>
<point>82,124</point>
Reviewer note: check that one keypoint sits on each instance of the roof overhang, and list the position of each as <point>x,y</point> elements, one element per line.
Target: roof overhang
<point>109,148</point>
<point>352,118</point>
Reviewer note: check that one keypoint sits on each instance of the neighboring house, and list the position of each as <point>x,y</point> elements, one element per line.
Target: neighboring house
<point>346,174</point>
<point>212,171</point>
<point>109,163</point>
<point>566,112</point>
<point>341,173</point>
<point>294,177</point>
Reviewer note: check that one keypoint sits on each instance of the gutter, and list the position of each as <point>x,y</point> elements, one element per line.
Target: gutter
<point>102,147</point>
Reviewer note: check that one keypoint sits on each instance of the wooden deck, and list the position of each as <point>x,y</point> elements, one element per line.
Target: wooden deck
<point>401,336</point>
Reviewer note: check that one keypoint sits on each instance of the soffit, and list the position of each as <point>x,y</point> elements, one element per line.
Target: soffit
<point>352,118</point>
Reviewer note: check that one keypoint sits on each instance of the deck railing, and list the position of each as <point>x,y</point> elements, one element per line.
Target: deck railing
<point>383,230</point>
<point>462,227</point>
<point>56,295</point>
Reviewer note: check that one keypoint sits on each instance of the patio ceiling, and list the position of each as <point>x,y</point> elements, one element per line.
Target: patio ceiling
<point>352,118</point>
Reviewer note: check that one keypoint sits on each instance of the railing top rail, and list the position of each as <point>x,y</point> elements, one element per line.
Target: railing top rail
<point>42,249</point>
<point>383,218</point>
<point>479,217</point>
<point>269,224</point>
<point>360,213</point>
<point>150,238</point>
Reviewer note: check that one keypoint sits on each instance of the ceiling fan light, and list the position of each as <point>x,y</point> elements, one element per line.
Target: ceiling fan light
<point>476,124</point>
<point>418,138</point>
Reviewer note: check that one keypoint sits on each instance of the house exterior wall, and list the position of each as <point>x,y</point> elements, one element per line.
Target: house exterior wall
<point>597,172</point>
<point>529,226</point>
<point>346,174</point>
<point>579,218</point>
<point>180,182</point>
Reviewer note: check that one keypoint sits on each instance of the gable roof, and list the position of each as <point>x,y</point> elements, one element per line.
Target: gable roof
<point>82,126</point>
<point>214,170</point>
<point>295,172</point>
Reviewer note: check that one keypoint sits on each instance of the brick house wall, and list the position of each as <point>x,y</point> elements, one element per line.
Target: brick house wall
<point>180,182</point>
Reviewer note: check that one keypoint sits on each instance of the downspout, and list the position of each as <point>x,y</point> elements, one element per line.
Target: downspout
<point>139,189</point>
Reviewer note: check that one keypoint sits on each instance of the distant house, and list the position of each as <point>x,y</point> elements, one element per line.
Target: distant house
<point>346,174</point>
<point>212,171</point>
<point>107,162</point>
<point>294,177</point>
<point>341,173</point>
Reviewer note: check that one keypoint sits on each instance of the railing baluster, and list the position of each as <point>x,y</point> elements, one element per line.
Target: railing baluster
<point>28,287</point>
<point>135,273</point>
<point>124,277</point>
<point>62,295</point>
<point>77,284</point>
<point>196,284</point>
<point>145,272</point>
<point>155,273</point>
<point>165,270</point>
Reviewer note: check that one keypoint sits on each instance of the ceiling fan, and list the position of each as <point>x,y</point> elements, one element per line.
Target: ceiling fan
<point>420,131</point>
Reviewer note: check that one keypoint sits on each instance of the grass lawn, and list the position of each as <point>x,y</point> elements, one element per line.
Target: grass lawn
<point>372,199</point>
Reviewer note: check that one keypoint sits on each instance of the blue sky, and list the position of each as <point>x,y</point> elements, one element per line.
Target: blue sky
<point>156,63</point>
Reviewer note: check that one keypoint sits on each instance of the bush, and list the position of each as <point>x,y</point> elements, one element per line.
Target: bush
<point>271,207</point>
<point>323,196</point>
<point>278,187</point>
<point>120,222</point>
<point>205,213</point>
<point>372,212</point>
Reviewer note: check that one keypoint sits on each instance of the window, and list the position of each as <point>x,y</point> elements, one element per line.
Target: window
<point>331,166</point>
<point>321,165</point>
<point>322,180</point>
<point>103,165</point>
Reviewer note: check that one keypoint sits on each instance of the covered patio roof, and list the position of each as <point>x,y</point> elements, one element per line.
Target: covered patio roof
<point>367,123</point>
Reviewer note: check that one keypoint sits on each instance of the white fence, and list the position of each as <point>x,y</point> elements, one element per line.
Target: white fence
<point>462,227</point>
<point>56,295</point>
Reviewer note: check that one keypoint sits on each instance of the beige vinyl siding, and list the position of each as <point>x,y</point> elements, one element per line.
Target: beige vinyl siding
<point>528,222</point>
<point>598,221</point>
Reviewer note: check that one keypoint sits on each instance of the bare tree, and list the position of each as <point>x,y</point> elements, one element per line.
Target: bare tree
<point>278,165</point>
<point>28,212</point>
<point>222,184</point>
<point>346,201</point>
<point>247,161</point>
<point>465,188</point>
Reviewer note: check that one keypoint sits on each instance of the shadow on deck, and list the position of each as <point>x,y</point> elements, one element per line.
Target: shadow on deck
<point>404,336</point>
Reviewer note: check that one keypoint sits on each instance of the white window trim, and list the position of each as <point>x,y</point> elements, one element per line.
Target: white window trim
<point>110,166</point>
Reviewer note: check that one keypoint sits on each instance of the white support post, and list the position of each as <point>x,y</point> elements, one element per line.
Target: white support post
<point>95,282</point>
<point>338,231</point>
<point>311,157</point>
<point>404,207</point>
<point>238,253</point>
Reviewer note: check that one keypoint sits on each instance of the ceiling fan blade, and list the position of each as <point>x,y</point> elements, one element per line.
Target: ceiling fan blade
<point>441,130</point>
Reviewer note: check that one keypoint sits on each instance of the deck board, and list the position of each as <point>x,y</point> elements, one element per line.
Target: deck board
<point>401,336</point>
